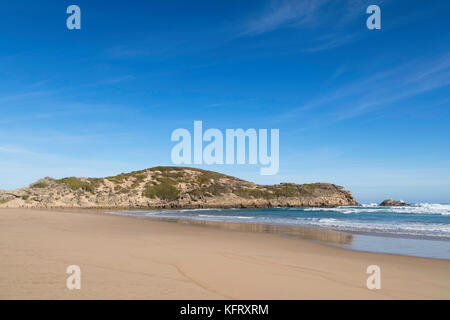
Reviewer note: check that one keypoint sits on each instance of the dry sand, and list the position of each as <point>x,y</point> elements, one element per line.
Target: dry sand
<point>131,258</point>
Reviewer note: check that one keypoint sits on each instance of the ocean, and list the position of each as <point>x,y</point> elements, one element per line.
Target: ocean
<point>421,229</point>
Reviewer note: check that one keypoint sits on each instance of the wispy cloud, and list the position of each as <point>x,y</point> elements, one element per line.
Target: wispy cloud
<point>23,96</point>
<point>408,81</point>
<point>332,41</point>
<point>12,149</point>
<point>284,14</point>
<point>125,51</point>
<point>230,103</point>
<point>338,72</point>
<point>112,80</point>
<point>17,150</point>
<point>328,24</point>
<point>315,18</point>
<point>146,47</point>
<point>40,83</point>
<point>20,166</point>
<point>380,90</point>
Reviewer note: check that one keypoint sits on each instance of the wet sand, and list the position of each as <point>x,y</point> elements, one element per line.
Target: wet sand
<point>136,258</point>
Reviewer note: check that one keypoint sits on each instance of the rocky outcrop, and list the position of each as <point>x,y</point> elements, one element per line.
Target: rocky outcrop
<point>172,187</point>
<point>392,203</point>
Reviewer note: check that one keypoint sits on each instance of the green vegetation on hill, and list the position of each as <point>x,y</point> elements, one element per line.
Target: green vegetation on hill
<point>287,190</point>
<point>95,182</point>
<point>138,179</point>
<point>165,180</point>
<point>187,186</point>
<point>207,176</point>
<point>39,185</point>
<point>209,191</point>
<point>164,185</point>
<point>120,178</point>
<point>166,169</point>
<point>164,191</point>
<point>76,184</point>
<point>253,193</point>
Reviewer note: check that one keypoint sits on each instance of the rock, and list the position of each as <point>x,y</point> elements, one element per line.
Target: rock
<point>392,203</point>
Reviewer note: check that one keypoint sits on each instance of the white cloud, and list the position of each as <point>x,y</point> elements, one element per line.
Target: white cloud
<point>285,13</point>
<point>382,89</point>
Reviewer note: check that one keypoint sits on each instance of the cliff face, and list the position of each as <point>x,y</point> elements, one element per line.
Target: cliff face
<point>172,187</point>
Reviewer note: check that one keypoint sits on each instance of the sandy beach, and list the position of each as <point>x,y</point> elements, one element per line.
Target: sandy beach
<point>135,258</point>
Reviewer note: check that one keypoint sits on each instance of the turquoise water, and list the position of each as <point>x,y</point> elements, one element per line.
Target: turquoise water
<point>419,230</point>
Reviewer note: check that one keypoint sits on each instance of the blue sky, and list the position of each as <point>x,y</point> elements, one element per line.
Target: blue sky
<point>366,109</point>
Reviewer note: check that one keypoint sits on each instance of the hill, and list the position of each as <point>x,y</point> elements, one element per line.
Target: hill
<point>172,187</point>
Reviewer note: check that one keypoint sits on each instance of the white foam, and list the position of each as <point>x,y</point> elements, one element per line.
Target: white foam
<point>421,226</point>
<point>419,208</point>
<point>430,229</point>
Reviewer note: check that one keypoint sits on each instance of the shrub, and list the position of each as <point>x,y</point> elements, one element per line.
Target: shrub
<point>307,189</point>
<point>166,169</point>
<point>174,175</point>
<point>120,178</point>
<point>75,184</point>
<point>286,190</point>
<point>197,193</point>
<point>212,190</point>
<point>163,191</point>
<point>217,189</point>
<point>39,185</point>
<point>165,180</point>
<point>117,179</point>
<point>137,180</point>
<point>95,182</point>
<point>253,193</point>
<point>207,176</point>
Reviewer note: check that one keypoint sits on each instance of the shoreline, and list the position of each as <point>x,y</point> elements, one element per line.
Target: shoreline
<point>299,232</point>
<point>124,258</point>
<point>417,245</point>
<point>346,239</point>
<point>299,225</point>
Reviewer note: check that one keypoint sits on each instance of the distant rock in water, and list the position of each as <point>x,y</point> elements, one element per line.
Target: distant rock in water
<point>172,187</point>
<point>392,203</point>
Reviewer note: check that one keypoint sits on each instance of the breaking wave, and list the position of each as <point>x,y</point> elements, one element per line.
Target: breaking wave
<point>422,219</point>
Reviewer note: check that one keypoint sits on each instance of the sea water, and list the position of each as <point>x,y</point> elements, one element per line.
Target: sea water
<point>419,230</point>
